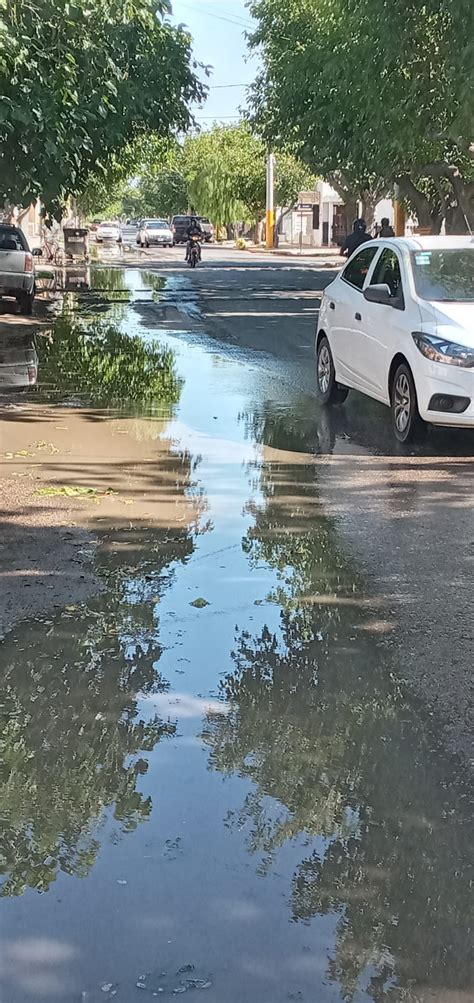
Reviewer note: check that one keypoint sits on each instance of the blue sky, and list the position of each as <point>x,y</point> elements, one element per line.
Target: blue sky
<point>218,28</point>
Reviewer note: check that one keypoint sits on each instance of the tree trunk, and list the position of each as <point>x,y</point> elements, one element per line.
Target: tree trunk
<point>428,215</point>
<point>369,202</point>
<point>258,232</point>
<point>285,212</point>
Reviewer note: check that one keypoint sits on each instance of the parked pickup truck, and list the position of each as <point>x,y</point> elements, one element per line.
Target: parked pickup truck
<point>17,274</point>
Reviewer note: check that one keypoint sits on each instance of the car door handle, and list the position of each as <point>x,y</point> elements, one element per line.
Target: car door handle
<point>358,316</point>
<point>331,306</point>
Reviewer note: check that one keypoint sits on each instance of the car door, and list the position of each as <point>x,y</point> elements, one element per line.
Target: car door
<point>380,328</point>
<point>348,305</point>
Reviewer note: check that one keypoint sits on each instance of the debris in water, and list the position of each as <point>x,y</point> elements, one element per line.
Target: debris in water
<point>199,603</point>
<point>188,980</point>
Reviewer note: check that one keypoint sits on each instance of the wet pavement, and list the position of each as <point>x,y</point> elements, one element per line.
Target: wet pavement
<point>213,777</point>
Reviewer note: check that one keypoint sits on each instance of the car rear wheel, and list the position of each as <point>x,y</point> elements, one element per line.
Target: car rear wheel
<point>406,420</point>
<point>329,391</point>
<point>25,302</point>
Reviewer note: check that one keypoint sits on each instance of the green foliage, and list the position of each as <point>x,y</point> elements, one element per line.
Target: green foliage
<point>225,170</point>
<point>160,188</point>
<point>369,92</point>
<point>80,81</point>
<point>106,366</point>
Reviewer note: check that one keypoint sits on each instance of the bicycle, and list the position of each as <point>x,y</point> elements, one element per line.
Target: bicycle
<point>51,250</point>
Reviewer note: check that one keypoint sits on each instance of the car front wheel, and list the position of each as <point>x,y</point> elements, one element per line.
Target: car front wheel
<point>406,420</point>
<point>329,391</point>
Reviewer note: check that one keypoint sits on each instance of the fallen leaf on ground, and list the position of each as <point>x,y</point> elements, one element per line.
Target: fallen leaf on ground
<point>74,491</point>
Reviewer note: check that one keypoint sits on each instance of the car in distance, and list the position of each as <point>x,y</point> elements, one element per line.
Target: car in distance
<point>397,324</point>
<point>180,226</point>
<point>108,233</point>
<point>207,228</point>
<point>154,231</point>
<point>17,274</point>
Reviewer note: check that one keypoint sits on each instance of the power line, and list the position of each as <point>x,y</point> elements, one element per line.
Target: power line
<point>219,87</point>
<point>220,17</point>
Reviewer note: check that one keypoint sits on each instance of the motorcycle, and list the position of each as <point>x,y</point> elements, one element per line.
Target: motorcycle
<point>194,252</point>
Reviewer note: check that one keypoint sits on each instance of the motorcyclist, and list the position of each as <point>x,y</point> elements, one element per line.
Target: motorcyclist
<point>194,230</point>
<point>358,236</point>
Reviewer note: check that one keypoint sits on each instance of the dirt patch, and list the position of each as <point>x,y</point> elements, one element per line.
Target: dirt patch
<point>69,480</point>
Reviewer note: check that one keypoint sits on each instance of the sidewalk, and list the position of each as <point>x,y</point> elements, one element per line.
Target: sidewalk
<point>328,257</point>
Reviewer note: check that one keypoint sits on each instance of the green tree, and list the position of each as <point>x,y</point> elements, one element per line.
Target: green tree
<point>360,90</point>
<point>145,179</point>
<point>80,81</point>
<point>226,170</point>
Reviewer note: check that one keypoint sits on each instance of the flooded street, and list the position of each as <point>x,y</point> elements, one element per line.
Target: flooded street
<point>215,778</point>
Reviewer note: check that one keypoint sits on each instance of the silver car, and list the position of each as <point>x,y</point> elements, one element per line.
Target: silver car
<point>17,274</point>
<point>154,231</point>
<point>18,361</point>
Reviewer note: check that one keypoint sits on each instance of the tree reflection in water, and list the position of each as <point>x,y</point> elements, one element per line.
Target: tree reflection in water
<point>73,744</point>
<point>336,755</point>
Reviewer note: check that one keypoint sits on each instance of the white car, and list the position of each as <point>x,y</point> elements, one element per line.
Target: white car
<point>108,232</point>
<point>397,324</point>
<point>17,274</point>
<point>154,231</point>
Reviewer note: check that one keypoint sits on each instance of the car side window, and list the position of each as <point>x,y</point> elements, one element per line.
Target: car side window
<point>355,272</point>
<point>387,270</point>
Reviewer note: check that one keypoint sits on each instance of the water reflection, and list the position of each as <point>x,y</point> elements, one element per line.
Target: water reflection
<point>74,736</point>
<point>89,354</point>
<point>18,361</point>
<point>337,760</point>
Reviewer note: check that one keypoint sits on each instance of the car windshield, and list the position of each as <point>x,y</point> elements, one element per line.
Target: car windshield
<point>445,275</point>
<point>157,225</point>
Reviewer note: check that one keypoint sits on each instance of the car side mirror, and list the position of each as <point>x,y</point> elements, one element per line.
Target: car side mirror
<point>379,293</point>
<point>36,252</point>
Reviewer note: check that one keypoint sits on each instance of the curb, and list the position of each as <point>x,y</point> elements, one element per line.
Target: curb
<point>334,262</point>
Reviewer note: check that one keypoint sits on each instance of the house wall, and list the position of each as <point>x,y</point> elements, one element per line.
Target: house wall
<point>297,227</point>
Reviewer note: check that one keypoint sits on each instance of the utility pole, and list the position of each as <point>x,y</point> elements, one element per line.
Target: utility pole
<point>398,214</point>
<point>270,215</point>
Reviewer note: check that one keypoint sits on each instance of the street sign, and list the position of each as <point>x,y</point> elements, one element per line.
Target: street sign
<point>304,205</point>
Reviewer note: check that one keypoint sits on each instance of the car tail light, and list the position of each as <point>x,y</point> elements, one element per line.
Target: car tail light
<point>28,262</point>
<point>32,374</point>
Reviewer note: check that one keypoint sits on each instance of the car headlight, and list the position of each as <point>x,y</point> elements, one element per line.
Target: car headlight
<point>440,350</point>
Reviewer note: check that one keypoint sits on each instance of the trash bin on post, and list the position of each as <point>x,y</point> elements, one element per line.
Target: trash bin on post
<point>76,241</point>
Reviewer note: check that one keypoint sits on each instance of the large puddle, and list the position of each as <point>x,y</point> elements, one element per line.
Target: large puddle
<point>211,781</point>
